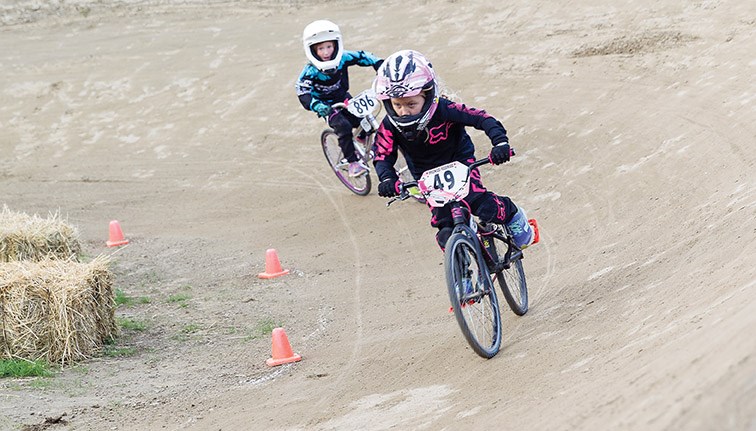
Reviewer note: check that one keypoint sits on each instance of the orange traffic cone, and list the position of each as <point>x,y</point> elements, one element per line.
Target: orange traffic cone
<point>116,235</point>
<point>282,353</point>
<point>272,265</point>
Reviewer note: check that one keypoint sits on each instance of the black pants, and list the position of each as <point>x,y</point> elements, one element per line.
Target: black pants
<point>342,122</point>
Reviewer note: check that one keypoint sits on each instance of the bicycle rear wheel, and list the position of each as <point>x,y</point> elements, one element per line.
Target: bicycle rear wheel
<point>511,279</point>
<point>472,294</point>
<point>359,185</point>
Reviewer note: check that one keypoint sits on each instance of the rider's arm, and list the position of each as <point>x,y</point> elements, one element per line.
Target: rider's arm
<point>362,58</point>
<point>385,154</point>
<point>304,87</point>
<point>307,97</point>
<point>480,120</point>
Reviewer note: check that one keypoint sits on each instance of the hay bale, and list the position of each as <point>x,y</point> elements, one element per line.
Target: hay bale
<point>24,237</point>
<point>55,310</point>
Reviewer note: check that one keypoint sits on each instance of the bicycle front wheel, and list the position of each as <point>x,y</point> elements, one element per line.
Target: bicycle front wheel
<point>359,185</point>
<point>472,295</point>
<point>511,279</point>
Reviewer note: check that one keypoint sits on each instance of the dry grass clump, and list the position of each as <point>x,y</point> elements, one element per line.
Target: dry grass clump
<point>61,311</point>
<point>24,237</point>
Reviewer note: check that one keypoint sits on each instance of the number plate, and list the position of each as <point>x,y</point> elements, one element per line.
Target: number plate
<point>363,104</point>
<point>444,184</point>
<point>366,126</point>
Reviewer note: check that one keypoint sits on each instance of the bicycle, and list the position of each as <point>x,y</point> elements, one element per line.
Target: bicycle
<point>367,107</point>
<point>472,261</point>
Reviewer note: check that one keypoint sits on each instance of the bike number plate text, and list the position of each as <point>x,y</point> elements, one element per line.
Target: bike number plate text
<point>363,104</point>
<point>444,184</point>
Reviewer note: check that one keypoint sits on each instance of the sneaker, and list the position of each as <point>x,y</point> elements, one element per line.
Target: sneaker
<point>357,168</point>
<point>522,231</point>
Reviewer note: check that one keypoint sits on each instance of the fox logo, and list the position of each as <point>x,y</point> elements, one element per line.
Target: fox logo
<point>439,133</point>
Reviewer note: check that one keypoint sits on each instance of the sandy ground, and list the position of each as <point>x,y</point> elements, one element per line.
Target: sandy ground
<point>635,124</point>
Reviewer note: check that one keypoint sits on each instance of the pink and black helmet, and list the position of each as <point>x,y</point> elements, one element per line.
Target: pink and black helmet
<point>404,74</point>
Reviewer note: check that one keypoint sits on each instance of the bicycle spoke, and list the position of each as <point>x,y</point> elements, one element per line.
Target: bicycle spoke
<point>473,300</point>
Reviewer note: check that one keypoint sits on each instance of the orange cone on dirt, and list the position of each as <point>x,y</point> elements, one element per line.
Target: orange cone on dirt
<point>272,265</point>
<point>282,353</point>
<point>116,235</point>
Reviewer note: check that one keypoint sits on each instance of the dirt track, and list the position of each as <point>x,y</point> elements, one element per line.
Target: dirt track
<point>635,126</point>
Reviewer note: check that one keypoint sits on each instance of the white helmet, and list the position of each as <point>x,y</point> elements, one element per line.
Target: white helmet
<point>321,31</point>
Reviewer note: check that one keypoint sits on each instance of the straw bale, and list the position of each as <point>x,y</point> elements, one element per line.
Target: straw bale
<point>56,310</point>
<point>25,237</point>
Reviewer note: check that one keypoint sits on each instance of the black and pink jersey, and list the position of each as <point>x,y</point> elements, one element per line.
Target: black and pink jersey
<point>445,140</point>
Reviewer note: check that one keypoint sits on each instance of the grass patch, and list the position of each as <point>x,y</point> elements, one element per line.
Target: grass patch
<point>127,301</point>
<point>119,351</point>
<point>42,383</point>
<point>184,334</point>
<point>266,326</point>
<point>22,368</point>
<point>190,328</point>
<point>180,299</point>
<point>263,328</point>
<point>131,324</point>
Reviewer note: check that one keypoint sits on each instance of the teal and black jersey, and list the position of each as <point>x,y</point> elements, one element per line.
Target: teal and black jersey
<point>317,91</point>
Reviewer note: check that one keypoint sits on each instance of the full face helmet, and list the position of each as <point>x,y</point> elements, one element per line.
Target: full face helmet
<point>404,74</point>
<point>322,31</point>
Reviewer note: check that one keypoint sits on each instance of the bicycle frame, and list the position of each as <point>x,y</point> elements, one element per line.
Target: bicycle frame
<point>462,221</point>
<point>368,125</point>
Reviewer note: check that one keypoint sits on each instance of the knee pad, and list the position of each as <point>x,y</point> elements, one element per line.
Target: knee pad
<point>442,236</point>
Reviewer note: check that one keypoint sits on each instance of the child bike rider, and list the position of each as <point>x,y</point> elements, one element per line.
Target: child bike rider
<point>325,81</point>
<point>431,131</point>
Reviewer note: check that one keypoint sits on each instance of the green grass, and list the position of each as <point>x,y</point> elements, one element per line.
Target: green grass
<point>180,299</point>
<point>266,326</point>
<point>22,368</point>
<point>127,301</point>
<point>131,324</point>
<point>119,351</point>
<point>190,328</point>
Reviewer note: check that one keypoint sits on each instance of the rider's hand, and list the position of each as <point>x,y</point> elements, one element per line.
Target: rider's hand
<point>325,111</point>
<point>389,188</point>
<point>500,154</point>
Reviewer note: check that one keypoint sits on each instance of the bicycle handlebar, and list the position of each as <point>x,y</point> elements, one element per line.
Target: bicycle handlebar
<point>404,187</point>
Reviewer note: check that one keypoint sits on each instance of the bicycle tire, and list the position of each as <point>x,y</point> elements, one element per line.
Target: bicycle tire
<point>477,313</point>
<point>512,280</point>
<point>360,185</point>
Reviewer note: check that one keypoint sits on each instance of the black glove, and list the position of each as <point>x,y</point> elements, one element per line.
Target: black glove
<point>388,188</point>
<point>500,154</point>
